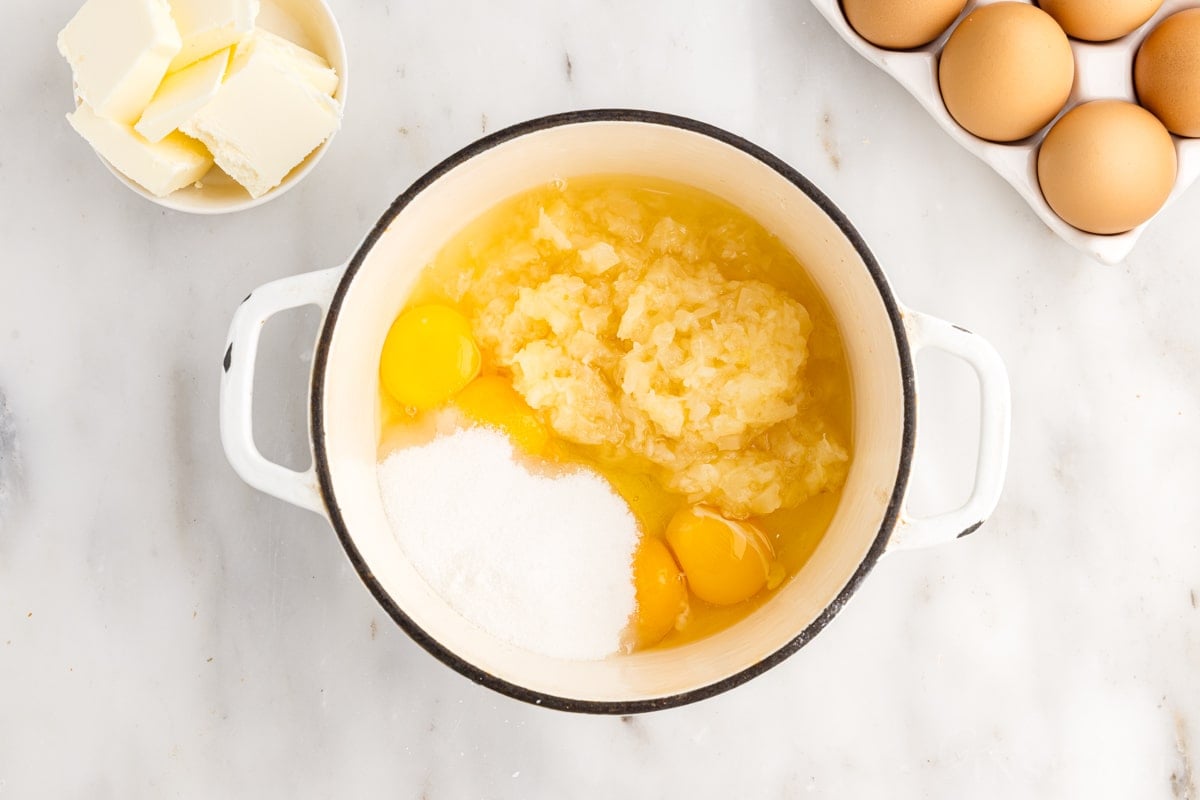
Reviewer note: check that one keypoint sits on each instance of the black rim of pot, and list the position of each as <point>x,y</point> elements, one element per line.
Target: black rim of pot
<point>428,642</point>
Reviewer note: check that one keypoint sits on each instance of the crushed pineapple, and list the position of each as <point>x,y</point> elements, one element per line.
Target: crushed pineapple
<point>646,336</point>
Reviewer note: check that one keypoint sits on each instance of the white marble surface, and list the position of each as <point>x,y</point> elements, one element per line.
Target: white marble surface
<point>165,631</point>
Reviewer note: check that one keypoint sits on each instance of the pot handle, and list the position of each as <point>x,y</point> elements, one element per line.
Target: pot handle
<point>237,385</point>
<point>995,419</point>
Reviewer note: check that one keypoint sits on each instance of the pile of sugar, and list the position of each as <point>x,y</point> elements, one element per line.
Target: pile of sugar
<point>542,562</point>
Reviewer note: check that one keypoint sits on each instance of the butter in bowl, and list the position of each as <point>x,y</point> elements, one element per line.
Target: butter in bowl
<point>206,106</point>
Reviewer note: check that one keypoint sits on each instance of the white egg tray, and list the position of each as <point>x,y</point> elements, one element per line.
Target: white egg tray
<point>1102,71</point>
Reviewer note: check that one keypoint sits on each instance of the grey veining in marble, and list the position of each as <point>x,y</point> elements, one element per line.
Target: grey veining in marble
<point>11,471</point>
<point>166,631</point>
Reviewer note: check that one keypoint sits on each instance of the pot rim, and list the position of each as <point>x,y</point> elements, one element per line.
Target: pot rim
<point>425,639</point>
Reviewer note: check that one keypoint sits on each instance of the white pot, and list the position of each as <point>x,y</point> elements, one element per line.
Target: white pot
<point>361,299</point>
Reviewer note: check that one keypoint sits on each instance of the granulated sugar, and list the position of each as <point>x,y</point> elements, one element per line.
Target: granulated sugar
<point>542,562</point>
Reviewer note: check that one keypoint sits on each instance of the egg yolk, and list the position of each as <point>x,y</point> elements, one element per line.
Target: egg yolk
<point>725,561</point>
<point>492,401</point>
<point>660,590</point>
<point>428,356</point>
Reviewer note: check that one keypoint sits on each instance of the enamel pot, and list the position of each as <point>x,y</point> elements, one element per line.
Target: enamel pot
<point>360,299</point>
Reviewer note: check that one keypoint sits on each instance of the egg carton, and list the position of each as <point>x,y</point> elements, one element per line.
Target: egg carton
<point>1103,71</point>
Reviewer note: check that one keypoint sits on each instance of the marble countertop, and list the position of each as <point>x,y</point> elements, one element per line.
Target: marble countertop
<point>166,631</point>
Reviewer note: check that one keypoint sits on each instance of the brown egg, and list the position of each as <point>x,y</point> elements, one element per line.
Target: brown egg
<point>1107,166</point>
<point>901,24</point>
<point>1167,72</point>
<point>1006,71</point>
<point>1100,20</point>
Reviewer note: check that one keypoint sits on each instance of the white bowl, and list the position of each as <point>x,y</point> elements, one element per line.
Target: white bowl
<point>1102,71</point>
<point>308,23</point>
<point>361,299</point>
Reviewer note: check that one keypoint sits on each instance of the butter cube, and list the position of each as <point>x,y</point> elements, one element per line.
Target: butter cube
<point>119,51</point>
<point>263,122</point>
<point>182,94</point>
<point>210,25</point>
<point>292,57</point>
<point>160,167</point>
